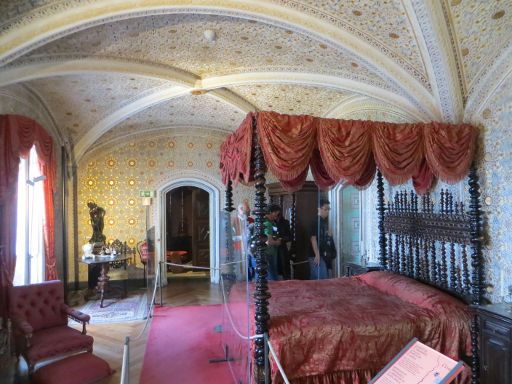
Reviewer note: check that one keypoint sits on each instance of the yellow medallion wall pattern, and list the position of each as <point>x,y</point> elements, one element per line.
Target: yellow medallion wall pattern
<point>112,177</point>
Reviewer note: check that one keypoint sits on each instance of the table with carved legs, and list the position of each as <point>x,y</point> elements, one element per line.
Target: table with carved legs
<point>104,262</point>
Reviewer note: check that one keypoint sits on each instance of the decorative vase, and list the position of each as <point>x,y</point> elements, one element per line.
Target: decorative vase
<point>87,248</point>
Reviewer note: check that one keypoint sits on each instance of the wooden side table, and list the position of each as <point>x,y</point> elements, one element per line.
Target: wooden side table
<point>103,279</point>
<point>495,322</point>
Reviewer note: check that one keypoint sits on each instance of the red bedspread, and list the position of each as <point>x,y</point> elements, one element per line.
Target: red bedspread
<point>345,330</point>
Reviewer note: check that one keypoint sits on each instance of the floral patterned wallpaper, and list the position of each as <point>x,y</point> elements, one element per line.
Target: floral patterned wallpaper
<point>113,176</point>
<point>495,173</point>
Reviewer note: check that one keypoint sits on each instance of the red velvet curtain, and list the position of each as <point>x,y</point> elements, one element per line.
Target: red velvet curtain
<point>235,154</point>
<point>350,151</point>
<point>18,134</point>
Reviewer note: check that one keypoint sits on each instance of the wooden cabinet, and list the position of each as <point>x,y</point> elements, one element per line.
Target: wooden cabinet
<point>495,321</point>
<point>306,203</point>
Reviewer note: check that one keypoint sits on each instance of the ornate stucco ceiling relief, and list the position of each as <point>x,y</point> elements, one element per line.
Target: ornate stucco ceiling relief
<point>482,32</point>
<point>384,24</point>
<point>241,46</point>
<point>12,9</point>
<point>77,102</point>
<point>191,110</point>
<point>291,99</point>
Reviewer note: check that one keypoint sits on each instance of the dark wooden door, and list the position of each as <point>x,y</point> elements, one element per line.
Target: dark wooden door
<point>201,228</point>
<point>188,224</point>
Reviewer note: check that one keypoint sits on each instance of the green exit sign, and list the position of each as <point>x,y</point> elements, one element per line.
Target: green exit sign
<point>146,194</point>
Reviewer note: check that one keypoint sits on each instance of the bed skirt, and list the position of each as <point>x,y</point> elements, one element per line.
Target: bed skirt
<point>362,376</point>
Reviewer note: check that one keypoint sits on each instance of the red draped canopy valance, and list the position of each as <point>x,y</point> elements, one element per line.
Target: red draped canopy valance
<point>349,151</point>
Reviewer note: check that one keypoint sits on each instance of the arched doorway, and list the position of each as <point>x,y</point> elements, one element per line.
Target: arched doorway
<point>187,235</point>
<point>210,224</point>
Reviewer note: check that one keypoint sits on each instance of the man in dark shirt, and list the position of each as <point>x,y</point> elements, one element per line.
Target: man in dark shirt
<point>273,242</point>
<point>285,234</point>
<point>318,232</point>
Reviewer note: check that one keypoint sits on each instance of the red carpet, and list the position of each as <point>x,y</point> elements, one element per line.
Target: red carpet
<point>181,341</point>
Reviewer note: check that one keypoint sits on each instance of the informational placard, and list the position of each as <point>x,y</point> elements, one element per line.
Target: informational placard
<point>419,364</point>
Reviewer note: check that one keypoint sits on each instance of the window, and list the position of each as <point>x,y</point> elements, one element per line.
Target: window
<point>30,257</point>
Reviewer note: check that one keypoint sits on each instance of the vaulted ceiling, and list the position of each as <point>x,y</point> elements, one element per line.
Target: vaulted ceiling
<point>109,69</point>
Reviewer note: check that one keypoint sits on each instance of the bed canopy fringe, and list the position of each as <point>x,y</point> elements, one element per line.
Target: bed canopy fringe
<point>349,151</point>
<point>352,152</point>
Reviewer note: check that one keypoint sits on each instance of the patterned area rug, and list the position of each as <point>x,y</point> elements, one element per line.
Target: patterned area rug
<point>131,308</point>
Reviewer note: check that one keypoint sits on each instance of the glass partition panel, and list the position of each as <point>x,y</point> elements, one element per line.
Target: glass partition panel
<point>351,225</point>
<point>151,266</point>
<point>235,266</point>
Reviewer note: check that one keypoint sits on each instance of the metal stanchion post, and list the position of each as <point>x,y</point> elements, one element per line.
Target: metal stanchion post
<point>267,373</point>
<point>125,371</point>
<point>160,280</point>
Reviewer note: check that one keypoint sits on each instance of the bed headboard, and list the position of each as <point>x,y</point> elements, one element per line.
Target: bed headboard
<point>435,242</point>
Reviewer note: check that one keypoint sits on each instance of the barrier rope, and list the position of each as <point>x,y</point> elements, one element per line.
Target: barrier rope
<point>126,349</point>
<point>223,296</point>
<point>257,336</point>
<point>206,268</point>
<point>281,370</point>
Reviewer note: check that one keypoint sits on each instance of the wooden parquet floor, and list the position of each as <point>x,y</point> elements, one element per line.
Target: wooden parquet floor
<point>109,338</point>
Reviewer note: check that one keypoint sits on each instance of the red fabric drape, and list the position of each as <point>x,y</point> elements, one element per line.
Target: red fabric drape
<point>235,154</point>
<point>349,151</point>
<point>287,143</point>
<point>18,134</point>
<point>346,149</point>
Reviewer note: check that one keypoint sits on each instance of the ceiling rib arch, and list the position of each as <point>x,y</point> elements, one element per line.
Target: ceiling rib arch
<point>215,83</point>
<point>360,104</point>
<point>314,79</point>
<point>30,35</point>
<point>145,102</point>
<point>58,66</point>
<point>68,65</point>
<point>434,39</point>
<point>123,113</point>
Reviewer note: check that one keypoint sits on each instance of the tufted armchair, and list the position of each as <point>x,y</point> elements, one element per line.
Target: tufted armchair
<point>39,317</point>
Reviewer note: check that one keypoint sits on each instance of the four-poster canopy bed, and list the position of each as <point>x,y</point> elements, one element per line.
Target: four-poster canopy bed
<point>415,243</point>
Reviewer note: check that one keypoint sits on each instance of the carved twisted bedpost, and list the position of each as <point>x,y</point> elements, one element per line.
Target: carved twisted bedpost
<point>229,198</point>
<point>380,210</point>
<point>261,293</point>
<point>293,222</point>
<point>229,275</point>
<point>228,208</point>
<point>475,217</point>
